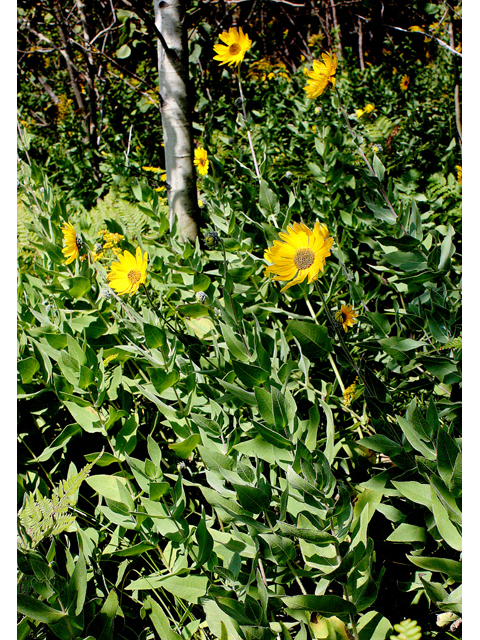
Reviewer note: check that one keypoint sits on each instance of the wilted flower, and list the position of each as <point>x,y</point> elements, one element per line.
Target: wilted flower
<point>201,296</point>
<point>212,239</point>
<point>346,316</point>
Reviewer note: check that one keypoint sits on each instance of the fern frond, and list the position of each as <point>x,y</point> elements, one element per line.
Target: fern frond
<point>407,630</point>
<point>50,516</point>
<point>456,343</point>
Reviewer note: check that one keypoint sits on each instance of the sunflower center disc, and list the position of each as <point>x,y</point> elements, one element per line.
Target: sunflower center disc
<point>134,276</point>
<point>304,258</point>
<point>234,49</point>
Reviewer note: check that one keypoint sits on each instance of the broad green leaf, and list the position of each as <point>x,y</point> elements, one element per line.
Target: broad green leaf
<point>312,337</point>
<point>445,527</point>
<point>455,482</point>
<point>250,374</point>
<point>408,533</point>
<point>154,451</point>
<point>373,626</point>
<point>189,588</point>
<point>268,201</point>
<point>447,451</point>
<point>407,260</point>
<point>245,396</point>
<point>159,620</point>
<point>193,310</point>
<point>324,605</point>
<point>272,436</point>
<point>154,336</point>
<point>77,588</point>
<point>27,369</point>
<point>87,417</point>
<point>311,535</point>
<point>104,620</point>
<point>204,540</point>
<point>254,499</point>
<point>157,490</point>
<point>134,550</point>
<point>77,286</point>
<point>123,52</point>
<point>450,568</point>
<point>281,547</point>
<point>447,249</point>
<point>415,491</point>
<point>414,439</point>
<point>113,488</point>
<point>185,448</point>
<point>235,346</point>
<point>264,403</point>
<point>214,459</point>
<point>378,167</point>
<point>382,213</point>
<point>38,611</point>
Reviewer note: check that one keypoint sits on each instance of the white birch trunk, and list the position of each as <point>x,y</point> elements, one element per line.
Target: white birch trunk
<point>177,132</point>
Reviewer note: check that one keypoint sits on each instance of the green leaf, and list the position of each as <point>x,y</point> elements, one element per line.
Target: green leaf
<point>311,535</point>
<point>38,611</point>
<point>455,482</point>
<point>282,548</point>
<point>415,491</point>
<point>185,447</point>
<point>159,620</point>
<point>77,588</point>
<point>311,336</point>
<point>154,451</point>
<point>378,167</point>
<point>408,533</point>
<point>268,201</point>
<point>189,588</point>
<point>250,374</point>
<point>158,490</point>
<point>407,260</point>
<point>154,336</point>
<point>450,568</point>
<point>324,605</point>
<point>445,527</point>
<point>123,52</point>
<point>264,402</point>
<point>382,213</point>
<point>272,436</point>
<point>447,249</point>
<point>134,550</point>
<point>204,540</point>
<point>254,499</point>
<point>113,488</point>
<point>235,346</point>
<point>86,417</point>
<point>414,438</point>
<point>104,620</point>
<point>245,396</point>
<point>447,452</point>
<point>27,369</point>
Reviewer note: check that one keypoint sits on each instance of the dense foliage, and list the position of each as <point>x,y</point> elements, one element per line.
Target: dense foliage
<point>210,457</point>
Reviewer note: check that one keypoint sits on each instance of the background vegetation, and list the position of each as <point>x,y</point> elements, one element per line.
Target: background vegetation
<point>194,467</point>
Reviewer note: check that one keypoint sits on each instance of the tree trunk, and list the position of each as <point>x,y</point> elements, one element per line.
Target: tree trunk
<point>176,124</point>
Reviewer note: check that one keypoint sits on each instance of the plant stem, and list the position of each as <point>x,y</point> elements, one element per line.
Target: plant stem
<point>380,188</point>
<point>242,99</point>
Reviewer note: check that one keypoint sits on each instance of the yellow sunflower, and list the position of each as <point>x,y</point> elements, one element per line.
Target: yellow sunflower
<point>404,82</point>
<point>300,253</point>
<point>201,161</point>
<point>322,73</point>
<point>129,272</point>
<point>72,242</point>
<point>237,44</point>
<point>347,316</point>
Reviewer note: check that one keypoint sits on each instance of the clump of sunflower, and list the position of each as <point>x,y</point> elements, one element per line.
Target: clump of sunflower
<point>368,108</point>
<point>404,82</point>
<point>266,69</point>
<point>110,241</point>
<point>73,243</point>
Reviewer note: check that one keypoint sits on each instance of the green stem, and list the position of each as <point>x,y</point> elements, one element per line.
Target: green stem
<point>380,188</point>
<point>257,171</point>
<point>340,337</point>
